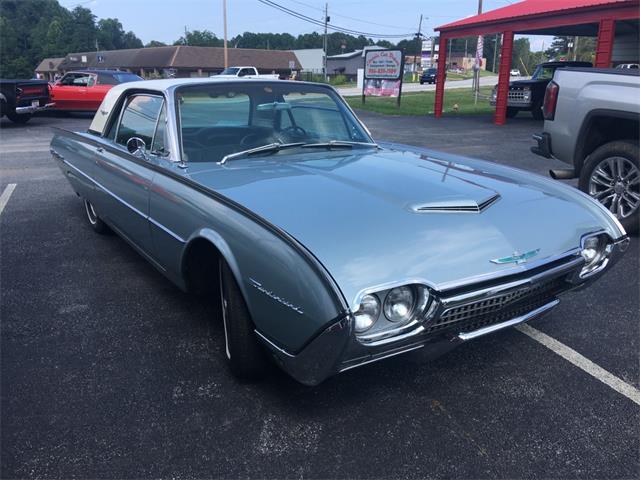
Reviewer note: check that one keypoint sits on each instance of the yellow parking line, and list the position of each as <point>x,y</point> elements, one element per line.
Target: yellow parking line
<point>4,198</point>
<point>583,363</point>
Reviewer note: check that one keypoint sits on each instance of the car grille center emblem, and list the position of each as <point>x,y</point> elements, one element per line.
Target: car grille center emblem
<point>517,257</point>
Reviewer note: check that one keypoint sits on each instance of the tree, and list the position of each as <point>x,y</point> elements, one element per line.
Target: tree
<point>559,47</point>
<point>199,38</point>
<point>155,43</point>
<point>111,36</point>
<point>33,30</point>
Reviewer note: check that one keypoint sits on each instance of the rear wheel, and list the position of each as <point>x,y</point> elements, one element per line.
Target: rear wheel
<point>94,220</point>
<point>611,175</point>
<point>15,118</point>
<point>246,358</point>
<point>512,112</point>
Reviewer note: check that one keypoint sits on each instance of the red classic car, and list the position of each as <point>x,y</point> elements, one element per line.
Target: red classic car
<point>84,90</point>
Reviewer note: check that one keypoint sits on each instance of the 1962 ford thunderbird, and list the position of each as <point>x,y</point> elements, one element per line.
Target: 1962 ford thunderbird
<point>329,251</point>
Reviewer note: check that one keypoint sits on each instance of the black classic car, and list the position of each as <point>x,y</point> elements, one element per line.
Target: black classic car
<point>528,95</point>
<point>20,99</point>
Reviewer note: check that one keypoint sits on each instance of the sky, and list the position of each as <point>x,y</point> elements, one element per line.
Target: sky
<point>165,20</point>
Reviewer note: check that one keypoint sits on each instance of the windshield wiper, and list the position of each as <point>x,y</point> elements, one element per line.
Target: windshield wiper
<point>340,144</point>
<point>268,148</point>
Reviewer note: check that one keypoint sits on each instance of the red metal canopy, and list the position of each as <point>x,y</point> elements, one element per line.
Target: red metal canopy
<point>531,8</point>
<point>542,17</point>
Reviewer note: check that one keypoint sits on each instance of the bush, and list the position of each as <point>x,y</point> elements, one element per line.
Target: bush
<point>338,80</point>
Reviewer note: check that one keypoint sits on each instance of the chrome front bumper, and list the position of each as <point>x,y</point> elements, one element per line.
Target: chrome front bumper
<point>32,109</point>
<point>509,302</point>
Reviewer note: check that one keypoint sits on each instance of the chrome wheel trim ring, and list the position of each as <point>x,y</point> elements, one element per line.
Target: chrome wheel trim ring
<point>91,212</point>
<point>223,306</point>
<point>615,182</point>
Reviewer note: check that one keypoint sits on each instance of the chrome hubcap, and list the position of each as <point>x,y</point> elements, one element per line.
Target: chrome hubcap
<point>91,212</point>
<point>223,304</point>
<point>615,182</point>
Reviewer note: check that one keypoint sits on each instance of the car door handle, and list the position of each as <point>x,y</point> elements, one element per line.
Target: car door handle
<point>99,149</point>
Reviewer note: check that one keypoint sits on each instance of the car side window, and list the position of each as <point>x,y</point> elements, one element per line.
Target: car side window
<point>68,79</point>
<point>82,81</point>
<point>139,119</point>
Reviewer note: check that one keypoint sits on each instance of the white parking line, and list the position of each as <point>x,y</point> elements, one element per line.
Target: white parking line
<point>4,198</point>
<point>582,362</point>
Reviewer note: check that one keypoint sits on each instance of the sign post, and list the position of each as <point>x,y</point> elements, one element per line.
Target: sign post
<point>383,74</point>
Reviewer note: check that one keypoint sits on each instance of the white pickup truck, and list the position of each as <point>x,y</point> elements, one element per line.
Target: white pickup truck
<point>245,72</point>
<point>592,122</point>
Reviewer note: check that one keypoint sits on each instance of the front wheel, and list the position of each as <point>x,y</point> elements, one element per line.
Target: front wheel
<point>512,112</point>
<point>611,175</point>
<point>246,358</point>
<point>21,119</point>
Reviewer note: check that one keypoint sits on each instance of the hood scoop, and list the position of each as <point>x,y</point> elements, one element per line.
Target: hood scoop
<point>455,205</point>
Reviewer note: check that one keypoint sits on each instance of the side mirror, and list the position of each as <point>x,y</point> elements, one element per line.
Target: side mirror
<point>137,147</point>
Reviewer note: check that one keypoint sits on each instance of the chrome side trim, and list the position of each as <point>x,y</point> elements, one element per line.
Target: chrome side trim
<point>382,357</point>
<point>509,323</point>
<point>125,203</point>
<point>166,230</point>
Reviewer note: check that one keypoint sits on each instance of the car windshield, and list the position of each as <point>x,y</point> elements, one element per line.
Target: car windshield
<point>431,71</point>
<point>218,120</point>
<point>230,71</point>
<point>543,73</point>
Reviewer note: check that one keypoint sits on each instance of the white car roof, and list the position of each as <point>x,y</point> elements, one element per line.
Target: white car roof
<point>161,86</point>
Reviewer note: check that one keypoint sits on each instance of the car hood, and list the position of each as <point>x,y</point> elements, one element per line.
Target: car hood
<point>376,218</point>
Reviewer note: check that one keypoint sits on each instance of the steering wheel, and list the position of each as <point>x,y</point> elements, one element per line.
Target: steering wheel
<point>294,131</point>
<point>249,139</point>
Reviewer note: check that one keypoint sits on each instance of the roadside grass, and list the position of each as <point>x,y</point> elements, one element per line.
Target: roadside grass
<point>468,75</point>
<point>421,103</point>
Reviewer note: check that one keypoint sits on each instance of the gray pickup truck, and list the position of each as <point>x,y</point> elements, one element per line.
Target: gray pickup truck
<point>592,122</point>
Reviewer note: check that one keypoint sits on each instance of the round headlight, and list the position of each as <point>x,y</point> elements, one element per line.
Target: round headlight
<point>399,304</point>
<point>367,313</point>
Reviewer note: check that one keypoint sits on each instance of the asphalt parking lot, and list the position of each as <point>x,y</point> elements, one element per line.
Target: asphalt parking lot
<point>107,370</point>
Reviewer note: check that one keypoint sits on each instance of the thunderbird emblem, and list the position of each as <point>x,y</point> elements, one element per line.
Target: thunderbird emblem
<point>517,257</point>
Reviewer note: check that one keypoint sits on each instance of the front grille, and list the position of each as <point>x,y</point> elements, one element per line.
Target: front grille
<point>499,308</point>
<point>518,96</point>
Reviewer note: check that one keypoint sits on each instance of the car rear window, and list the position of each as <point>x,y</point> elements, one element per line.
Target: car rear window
<point>116,78</point>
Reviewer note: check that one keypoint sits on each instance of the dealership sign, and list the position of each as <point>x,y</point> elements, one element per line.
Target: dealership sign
<point>383,64</point>
<point>383,71</point>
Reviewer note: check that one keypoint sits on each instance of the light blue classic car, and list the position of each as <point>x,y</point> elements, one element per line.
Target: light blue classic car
<point>329,251</point>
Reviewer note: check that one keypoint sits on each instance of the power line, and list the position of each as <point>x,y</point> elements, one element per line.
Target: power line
<point>349,31</point>
<point>348,17</point>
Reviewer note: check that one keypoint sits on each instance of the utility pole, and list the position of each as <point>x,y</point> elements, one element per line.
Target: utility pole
<point>326,21</point>
<point>224,19</point>
<point>575,48</point>
<point>478,65</point>
<point>495,51</point>
<point>419,42</point>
